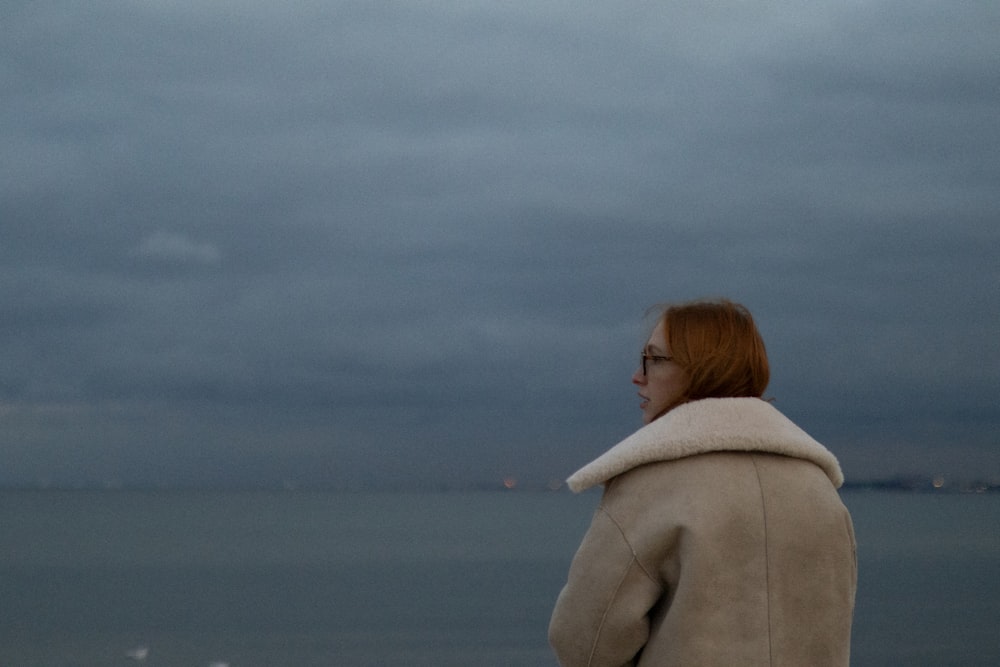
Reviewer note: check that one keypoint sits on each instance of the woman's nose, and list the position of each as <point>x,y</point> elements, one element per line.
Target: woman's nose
<point>638,377</point>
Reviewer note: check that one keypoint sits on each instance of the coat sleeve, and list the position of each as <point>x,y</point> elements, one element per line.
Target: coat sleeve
<point>601,618</point>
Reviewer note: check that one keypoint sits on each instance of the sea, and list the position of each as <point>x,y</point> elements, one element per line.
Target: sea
<point>325,579</point>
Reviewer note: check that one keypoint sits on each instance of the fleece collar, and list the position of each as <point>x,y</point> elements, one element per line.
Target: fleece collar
<point>709,425</point>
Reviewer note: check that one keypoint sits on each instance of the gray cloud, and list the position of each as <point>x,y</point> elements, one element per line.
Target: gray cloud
<point>359,242</point>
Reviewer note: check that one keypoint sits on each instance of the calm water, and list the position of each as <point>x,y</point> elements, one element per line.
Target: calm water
<point>320,580</point>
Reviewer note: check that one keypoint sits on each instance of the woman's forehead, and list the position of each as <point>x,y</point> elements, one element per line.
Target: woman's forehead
<point>658,337</point>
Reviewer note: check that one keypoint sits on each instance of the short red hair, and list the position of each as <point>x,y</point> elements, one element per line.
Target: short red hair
<point>718,345</point>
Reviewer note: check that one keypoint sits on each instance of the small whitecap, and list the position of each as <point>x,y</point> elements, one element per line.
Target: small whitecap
<point>139,653</point>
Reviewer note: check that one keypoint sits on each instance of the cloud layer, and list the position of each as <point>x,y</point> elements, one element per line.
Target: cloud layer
<point>356,243</point>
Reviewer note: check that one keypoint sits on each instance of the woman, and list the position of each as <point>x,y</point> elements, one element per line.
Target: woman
<point>720,539</point>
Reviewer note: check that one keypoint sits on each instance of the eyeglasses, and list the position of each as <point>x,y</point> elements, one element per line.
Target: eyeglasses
<point>655,358</point>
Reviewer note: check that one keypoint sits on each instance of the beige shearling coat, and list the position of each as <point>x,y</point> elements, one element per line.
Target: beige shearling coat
<point>720,541</point>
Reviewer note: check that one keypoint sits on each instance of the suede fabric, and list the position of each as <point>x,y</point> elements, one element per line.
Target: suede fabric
<point>712,547</point>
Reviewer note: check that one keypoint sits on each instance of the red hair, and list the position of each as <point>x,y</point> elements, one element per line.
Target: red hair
<point>717,344</point>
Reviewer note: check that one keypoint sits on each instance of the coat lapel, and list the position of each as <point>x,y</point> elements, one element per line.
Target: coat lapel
<point>709,425</point>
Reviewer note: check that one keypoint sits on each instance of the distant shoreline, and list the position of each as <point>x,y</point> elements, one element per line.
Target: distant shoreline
<point>900,484</point>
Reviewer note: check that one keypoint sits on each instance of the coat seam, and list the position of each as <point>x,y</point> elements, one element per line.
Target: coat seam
<point>767,562</point>
<point>633,560</point>
<point>635,555</point>
<point>607,610</point>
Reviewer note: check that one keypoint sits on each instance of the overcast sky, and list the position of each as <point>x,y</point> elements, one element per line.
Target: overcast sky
<point>375,242</point>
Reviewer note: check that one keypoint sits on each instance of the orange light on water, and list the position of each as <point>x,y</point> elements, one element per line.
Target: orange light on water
<point>509,482</point>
